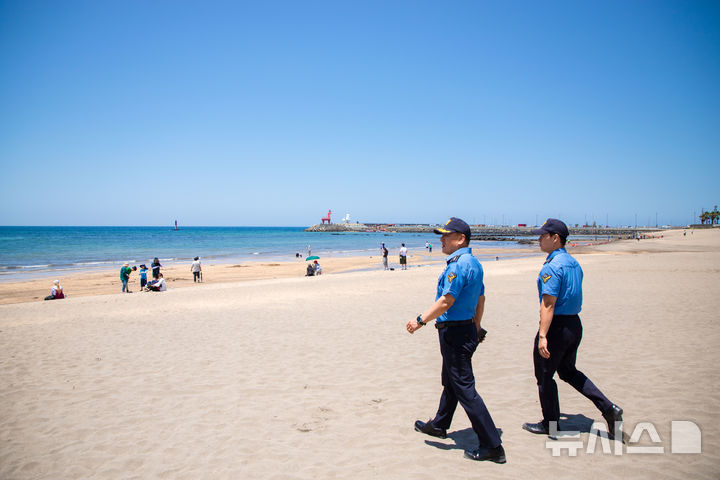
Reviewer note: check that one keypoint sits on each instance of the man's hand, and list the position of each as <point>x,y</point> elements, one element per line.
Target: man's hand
<point>481,334</point>
<point>412,325</point>
<point>542,347</point>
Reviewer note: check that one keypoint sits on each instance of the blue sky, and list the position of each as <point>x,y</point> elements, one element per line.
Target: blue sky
<point>270,113</point>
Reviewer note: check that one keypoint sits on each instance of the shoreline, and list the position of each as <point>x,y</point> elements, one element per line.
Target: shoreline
<point>107,282</point>
<point>178,276</point>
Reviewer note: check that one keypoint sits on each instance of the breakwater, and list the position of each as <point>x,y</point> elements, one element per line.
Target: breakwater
<point>485,232</point>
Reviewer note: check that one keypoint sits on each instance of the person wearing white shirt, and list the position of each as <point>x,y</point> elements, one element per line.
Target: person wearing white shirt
<point>196,270</point>
<point>403,257</point>
<point>157,285</point>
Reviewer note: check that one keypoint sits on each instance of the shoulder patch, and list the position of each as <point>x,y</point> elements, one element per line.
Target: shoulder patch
<point>451,277</point>
<point>546,277</point>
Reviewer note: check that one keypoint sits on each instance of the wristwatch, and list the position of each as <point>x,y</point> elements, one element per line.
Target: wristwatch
<point>419,320</point>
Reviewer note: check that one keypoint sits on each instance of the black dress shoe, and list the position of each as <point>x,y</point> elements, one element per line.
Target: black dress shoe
<point>430,429</point>
<point>612,415</point>
<point>496,455</point>
<point>538,428</point>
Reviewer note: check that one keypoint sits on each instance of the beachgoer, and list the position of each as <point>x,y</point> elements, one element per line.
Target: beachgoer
<point>56,292</point>
<point>384,256</point>
<point>309,251</point>
<point>157,285</point>
<point>125,271</point>
<point>430,247</point>
<point>143,276</point>
<point>317,267</point>
<point>196,270</point>
<point>458,308</point>
<point>556,343</point>
<point>310,270</point>
<point>403,257</point>
<point>427,245</point>
<point>155,265</point>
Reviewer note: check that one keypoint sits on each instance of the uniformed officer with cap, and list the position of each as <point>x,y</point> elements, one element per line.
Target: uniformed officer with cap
<point>458,308</point>
<point>558,338</point>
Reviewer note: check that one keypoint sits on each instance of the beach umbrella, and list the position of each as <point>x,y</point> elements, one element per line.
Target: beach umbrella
<point>314,257</point>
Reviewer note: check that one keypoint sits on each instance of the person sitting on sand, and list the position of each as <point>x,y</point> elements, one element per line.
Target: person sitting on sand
<point>310,272</point>
<point>56,292</point>
<point>317,267</point>
<point>157,285</point>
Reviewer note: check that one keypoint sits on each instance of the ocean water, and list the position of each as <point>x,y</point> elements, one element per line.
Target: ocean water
<point>27,252</point>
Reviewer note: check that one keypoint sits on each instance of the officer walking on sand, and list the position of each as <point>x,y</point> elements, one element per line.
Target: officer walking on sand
<point>558,338</point>
<point>458,308</point>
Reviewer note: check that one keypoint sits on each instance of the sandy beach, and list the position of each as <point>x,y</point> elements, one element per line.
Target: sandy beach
<point>105,282</point>
<point>279,376</point>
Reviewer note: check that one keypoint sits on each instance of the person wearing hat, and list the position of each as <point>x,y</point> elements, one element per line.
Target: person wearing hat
<point>196,269</point>
<point>125,276</point>
<point>143,275</point>
<point>458,311</point>
<point>56,292</point>
<point>558,338</point>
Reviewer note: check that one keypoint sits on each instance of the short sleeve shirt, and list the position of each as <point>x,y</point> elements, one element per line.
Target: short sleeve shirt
<point>561,277</point>
<point>463,279</point>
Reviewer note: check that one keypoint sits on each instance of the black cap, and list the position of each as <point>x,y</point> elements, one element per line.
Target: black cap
<point>455,225</point>
<point>553,225</point>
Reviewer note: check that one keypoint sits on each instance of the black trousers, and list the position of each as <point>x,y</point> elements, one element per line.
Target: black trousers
<point>563,339</point>
<point>457,345</point>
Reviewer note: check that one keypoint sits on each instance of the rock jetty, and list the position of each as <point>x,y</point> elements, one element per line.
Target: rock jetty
<point>484,232</point>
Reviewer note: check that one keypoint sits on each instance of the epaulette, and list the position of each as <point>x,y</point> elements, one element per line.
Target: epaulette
<point>454,259</point>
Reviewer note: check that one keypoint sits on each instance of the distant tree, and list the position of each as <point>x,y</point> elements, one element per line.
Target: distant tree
<point>704,217</point>
<point>714,216</point>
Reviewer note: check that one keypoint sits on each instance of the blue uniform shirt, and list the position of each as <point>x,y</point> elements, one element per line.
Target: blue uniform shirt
<point>463,279</point>
<point>561,277</point>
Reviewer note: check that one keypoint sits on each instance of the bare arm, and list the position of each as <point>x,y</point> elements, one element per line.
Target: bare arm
<point>547,310</point>
<point>440,306</point>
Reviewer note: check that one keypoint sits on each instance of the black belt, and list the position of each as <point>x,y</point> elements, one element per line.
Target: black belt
<point>440,325</point>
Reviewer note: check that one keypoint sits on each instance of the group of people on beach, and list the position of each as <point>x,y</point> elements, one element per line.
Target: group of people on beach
<point>313,269</point>
<point>403,254</point>
<point>157,284</point>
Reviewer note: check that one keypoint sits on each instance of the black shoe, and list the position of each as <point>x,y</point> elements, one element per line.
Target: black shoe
<point>429,429</point>
<point>612,415</point>
<point>496,455</point>
<point>538,428</point>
